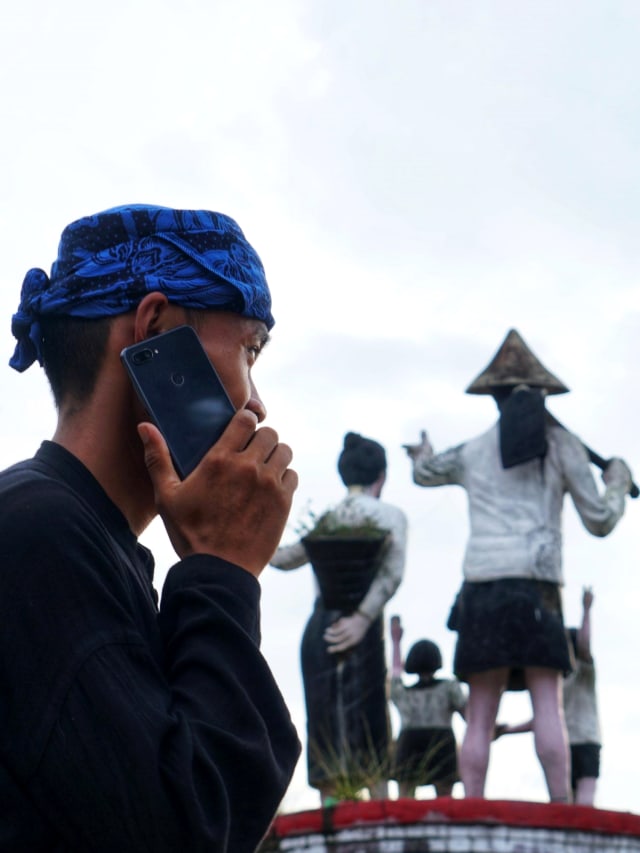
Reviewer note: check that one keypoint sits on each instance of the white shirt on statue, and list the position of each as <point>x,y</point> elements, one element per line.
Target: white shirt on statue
<point>515,514</point>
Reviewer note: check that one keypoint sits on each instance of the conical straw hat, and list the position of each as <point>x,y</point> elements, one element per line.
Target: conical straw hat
<point>515,364</point>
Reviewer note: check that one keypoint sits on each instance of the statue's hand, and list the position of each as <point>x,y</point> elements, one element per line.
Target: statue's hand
<point>396,629</point>
<point>617,473</point>
<point>422,449</point>
<point>587,597</point>
<point>346,632</point>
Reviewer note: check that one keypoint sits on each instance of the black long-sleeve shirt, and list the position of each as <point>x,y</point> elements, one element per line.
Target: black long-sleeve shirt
<point>123,726</point>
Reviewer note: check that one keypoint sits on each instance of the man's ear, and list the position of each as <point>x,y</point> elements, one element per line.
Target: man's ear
<point>152,316</point>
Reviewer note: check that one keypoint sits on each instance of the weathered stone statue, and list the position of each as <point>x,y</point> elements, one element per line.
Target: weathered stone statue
<point>508,613</point>
<point>357,552</point>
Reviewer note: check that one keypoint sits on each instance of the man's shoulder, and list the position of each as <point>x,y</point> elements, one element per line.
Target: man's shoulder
<point>39,510</point>
<point>26,487</point>
<point>51,535</point>
<point>18,471</point>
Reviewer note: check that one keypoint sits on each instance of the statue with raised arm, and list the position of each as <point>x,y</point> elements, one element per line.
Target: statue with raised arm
<point>426,750</point>
<point>508,613</point>
<point>580,711</point>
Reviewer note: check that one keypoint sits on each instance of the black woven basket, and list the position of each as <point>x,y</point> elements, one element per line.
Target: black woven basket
<point>344,567</point>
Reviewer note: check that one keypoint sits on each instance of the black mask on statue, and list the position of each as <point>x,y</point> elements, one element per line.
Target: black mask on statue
<point>522,426</point>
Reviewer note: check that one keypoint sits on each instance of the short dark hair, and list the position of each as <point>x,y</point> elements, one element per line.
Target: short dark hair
<point>362,460</point>
<point>424,656</point>
<point>73,349</point>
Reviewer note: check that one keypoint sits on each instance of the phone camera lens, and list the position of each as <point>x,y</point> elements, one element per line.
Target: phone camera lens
<point>142,356</point>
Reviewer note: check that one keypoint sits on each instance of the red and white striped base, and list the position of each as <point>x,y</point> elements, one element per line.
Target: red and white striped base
<point>454,826</point>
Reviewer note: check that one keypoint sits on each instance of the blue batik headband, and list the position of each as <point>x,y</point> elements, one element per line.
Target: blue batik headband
<point>108,262</point>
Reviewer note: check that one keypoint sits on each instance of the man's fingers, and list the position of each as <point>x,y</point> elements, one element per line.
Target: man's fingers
<point>157,457</point>
<point>264,446</point>
<point>290,480</point>
<point>280,456</point>
<point>241,435</point>
<point>242,483</point>
<point>239,431</point>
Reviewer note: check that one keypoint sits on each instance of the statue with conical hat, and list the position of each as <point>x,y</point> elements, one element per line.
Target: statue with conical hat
<point>515,364</point>
<point>508,612</point>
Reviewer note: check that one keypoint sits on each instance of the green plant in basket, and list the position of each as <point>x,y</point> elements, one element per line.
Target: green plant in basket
<point>329,525</point>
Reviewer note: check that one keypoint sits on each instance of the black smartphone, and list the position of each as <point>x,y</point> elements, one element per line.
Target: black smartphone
<point>182,393</point>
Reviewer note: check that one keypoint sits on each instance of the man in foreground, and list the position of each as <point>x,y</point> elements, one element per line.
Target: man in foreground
<point>127,726</point>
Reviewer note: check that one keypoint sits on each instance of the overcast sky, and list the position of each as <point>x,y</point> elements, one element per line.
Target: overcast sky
<point>419,177</point>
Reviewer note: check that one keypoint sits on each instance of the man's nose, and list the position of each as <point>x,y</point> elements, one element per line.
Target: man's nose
<point>256,405</point>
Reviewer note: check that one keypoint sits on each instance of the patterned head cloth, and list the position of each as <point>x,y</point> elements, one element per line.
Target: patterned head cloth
<point>108,262</point>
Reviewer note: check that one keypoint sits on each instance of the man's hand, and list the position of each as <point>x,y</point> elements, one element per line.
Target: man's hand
<point>587,597</point>
<point>235,504</point>
<point>422,449</point>
<point>348,631</point>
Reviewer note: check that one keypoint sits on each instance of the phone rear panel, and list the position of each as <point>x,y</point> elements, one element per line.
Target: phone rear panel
<point>181,392</point>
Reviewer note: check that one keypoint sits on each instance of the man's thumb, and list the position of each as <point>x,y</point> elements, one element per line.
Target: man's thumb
<point>156,454</point>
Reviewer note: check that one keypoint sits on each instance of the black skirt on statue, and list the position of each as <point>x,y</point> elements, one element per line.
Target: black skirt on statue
<point>510,622</point>
<point>347,717</point>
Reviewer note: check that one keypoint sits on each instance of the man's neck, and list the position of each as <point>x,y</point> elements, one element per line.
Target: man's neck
<point>111,450</point>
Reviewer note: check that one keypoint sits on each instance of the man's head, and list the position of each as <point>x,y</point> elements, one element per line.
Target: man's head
<point>362,460</point>
<point>107,263</point>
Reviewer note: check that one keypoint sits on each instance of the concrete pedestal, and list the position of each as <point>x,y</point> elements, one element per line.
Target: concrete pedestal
<point>454,826</point>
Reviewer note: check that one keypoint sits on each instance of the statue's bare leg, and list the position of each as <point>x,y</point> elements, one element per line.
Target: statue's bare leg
<point>586,791</point>
<point>549,730</point>
<point>485,691</point>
